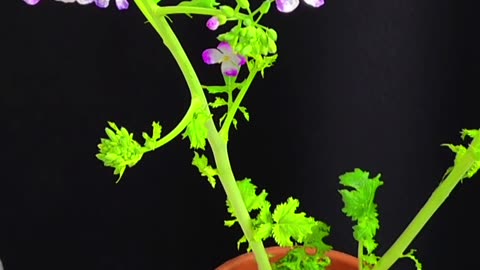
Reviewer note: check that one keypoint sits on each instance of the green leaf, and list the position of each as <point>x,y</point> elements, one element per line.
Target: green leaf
<point>360,206</point>
<point>263,231</point>
<point>249,195</point>
<point>201,162</point>
<point>315,239</point>
<point>197,130</point>
<point>244,112</point>
<point>217,89</point>
<point>289,224</point>
<point>218,102</point>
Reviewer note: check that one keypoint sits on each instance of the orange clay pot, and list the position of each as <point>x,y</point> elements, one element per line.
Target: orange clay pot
<point>340,261</point>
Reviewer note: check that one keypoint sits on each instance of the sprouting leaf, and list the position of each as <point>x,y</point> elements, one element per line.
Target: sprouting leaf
<point>234,122</point>
<point>201,162</point>
<point>218,102</point>
<point>244,112</point>
<point>265,62</point>
<point>472,133</point>
<point>290,224</point>
<point>150,142</point>
<point>197,130</point>
<point>359,205</point>
<point>242,240</point>
<point>119,150</point>
<point>412,257</point>
<point>461,151</point>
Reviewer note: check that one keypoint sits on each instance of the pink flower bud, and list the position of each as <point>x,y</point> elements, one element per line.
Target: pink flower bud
<point>213,23</point>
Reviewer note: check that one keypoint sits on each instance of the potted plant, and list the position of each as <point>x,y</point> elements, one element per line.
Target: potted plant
<point>244,50</point>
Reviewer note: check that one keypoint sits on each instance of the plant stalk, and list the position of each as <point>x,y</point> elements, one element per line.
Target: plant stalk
<point>360,255</point>
<point>217,143</point>
<point>441,193</point>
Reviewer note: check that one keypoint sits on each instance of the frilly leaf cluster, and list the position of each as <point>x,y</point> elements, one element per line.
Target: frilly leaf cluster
<point>461,151</point>
<point>120,149</point>
<point>286,225</point>
<point>360,207</point>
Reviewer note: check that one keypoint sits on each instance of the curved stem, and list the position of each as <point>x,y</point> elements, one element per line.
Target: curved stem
<point>462,165</point>
<point>194,106</point>
<point>217,143</point>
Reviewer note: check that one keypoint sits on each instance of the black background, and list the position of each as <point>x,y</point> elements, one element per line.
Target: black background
<point>373,84</point>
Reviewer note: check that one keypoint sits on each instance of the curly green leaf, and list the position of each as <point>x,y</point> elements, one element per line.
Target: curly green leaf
<point>197,130</point>
<point>119,150</point>
<point>201,162</point>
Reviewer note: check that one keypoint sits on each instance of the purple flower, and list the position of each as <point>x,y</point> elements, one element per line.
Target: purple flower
<point>213,23</point>
<point>31,2</point>
<point>121,4</point>
<point>287,6</point>
<point>230,62</point>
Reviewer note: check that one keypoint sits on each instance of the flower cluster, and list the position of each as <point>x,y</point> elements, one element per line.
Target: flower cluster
<point>121,4</point>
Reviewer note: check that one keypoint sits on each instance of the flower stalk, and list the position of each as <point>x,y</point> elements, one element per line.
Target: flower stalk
<point>217,143</point>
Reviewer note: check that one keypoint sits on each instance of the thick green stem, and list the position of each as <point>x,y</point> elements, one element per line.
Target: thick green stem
<point>217,143</point>
<point>462,165</point>
<point>219,149</point>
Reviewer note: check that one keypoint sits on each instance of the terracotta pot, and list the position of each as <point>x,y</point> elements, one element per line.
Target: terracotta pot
<point>340,261</point>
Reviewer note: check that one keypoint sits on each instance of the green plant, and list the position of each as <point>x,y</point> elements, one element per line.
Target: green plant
<point>251,44</point>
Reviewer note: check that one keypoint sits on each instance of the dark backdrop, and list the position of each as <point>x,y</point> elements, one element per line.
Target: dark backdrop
<point>373,84</point>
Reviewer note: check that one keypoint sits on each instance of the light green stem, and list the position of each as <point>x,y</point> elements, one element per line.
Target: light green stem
<point>194,106</point>
<point>217,143</point>
<point>462,165</point>
<point>236,104</point>
<point>160,11</point>
<point>360,255</point>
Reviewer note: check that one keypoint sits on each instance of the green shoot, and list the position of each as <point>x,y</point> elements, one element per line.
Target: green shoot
<point>360,207</point>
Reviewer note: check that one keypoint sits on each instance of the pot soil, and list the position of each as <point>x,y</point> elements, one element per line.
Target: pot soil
<point>340,260</point>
